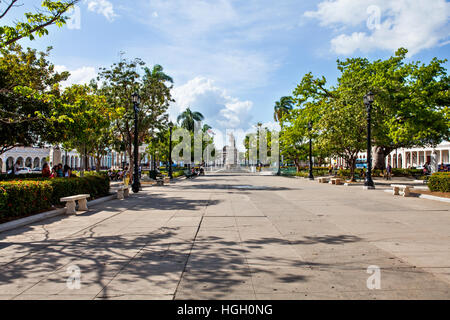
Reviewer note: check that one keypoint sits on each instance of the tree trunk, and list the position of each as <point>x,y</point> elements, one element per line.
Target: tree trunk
<point>297,165</point>
<point>379,157</point>
<point>99,161</point>
<point>352,162</point>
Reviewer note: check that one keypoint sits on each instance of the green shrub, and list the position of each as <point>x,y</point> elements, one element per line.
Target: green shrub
<point>407,172</point>
<point>24,197</point>
<point>21,198</point>
<point>10,177</point>
<point>302,174</point>
<point>178,174</point>
<point>95,185</point>
<point>439,182</point>
<point>345,173</point>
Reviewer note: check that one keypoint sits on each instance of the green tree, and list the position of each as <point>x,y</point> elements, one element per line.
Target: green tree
<point>119,82</point>
<point>411,100</point>
<point>282,108</point>
<point>188,119</point>
<point>29,94</point>
<point>87,125</point>
<point>51,13</point>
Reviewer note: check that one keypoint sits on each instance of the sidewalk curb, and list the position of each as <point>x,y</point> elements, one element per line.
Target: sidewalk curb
<point>46,215</point>
<point>31,219</point>
<point>426,196</point>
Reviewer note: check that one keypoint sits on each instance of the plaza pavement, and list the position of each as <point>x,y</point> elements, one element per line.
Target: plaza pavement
<point>236,236</point>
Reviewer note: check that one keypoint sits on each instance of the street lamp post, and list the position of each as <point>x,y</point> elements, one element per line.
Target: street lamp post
<point>311,176</point>
<point>136,185</point>
<point>170,150</point>
<point>368,100</point>
<point>279,158</point>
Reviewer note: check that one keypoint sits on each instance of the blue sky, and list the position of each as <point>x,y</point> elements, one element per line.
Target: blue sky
<point>231,60</point>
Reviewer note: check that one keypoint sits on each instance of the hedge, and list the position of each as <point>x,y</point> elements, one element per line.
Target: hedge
<point>439,182</point>
<point>25,197</point>
<point>345,173</point>
<point>177,174</point>
<point>21,198</point>
<point>10,177</point>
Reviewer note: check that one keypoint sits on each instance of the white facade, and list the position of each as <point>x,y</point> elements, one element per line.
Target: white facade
<point>26,157</point>
<point>31,157</point>
<point>414,157</point>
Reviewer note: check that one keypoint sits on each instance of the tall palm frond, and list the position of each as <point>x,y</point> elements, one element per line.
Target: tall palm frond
<point>282,107</point>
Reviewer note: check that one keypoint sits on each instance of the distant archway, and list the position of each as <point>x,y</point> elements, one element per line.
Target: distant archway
<point>1,166</point>
<point>29,162</point>
<point>36,163</point>
<point>43,161</point>
<point>399,163</point>
<point>19,161</point>
<point>9,163</point>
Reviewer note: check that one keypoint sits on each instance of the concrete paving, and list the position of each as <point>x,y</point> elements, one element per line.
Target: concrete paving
<point>235,236</point>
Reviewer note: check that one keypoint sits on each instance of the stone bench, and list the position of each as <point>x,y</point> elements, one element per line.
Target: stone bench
<point>71,203</point>
<point>402,190</point>
<point>122,192</point>
<point>336,181</point>
<point>323,180</point>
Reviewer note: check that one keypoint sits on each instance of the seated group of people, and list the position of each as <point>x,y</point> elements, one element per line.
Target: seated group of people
<point>198,171</point>
<point>117,175</point>
<point>57,171</point>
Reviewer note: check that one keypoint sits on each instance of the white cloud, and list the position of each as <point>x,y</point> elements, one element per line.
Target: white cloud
<point>225,40</point>
<point>413,24</point>
<point>221,110</point>
<point>81,75</point>
<point>103,7</point>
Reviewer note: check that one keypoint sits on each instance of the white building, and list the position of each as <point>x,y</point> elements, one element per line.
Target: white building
<point>411,158</point>
<point>25,157</point>
<point>415,157</point>
<point>32,158</point>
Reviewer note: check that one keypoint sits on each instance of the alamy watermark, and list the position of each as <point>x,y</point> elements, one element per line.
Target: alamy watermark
<point>74,18</point>
<point>374,19</point>
<point>73,282</point>
<point>374,281</point>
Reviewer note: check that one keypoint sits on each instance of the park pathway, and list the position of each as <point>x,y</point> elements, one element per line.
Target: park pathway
<point>235,236</point>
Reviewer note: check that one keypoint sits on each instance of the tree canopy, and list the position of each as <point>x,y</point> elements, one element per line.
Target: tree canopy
<point>410,108</point>
<point>34,23</point>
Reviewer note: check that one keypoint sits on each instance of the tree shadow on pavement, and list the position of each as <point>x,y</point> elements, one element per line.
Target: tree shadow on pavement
<point>145,263</point>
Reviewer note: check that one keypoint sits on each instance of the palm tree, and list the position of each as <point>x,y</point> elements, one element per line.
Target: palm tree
<point>188,119</point>
<point>206,127</point>
<point>157,74</point>
<point>282,107</point>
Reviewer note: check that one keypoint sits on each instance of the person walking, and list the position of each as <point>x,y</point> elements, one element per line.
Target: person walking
<point>388,172</point>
